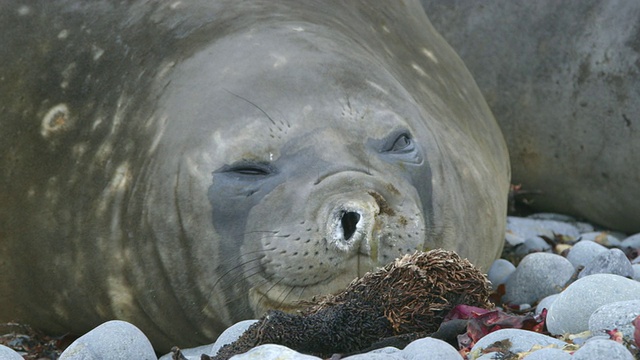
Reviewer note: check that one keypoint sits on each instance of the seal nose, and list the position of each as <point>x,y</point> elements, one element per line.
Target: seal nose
<point>349,223</point>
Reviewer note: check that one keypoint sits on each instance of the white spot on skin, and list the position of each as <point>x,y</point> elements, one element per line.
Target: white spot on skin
<point>24,10</point>
<point>418,69</point>
<point>297,28</point>
<point>429,55</point>
<point>63,34</point>
<point>120,179</point>
<point>175,5</point>
<point>96,123</point>
<point>386,29</point>
<point>97,52</point>
<point>56,119</point>
<point>279,60</point>
<point>377,87</point>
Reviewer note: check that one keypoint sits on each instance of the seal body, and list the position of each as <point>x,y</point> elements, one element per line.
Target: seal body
<point>186,165</point>
<point>563,81</point>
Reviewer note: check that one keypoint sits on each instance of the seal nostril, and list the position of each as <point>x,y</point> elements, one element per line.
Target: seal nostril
<point>349,221</point>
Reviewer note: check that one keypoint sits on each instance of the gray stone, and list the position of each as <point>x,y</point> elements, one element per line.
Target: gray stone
<point>191,353</point>
<point>537,276</point>
<point>601,237</point>
<point>113,340</point>
<point>583,252</point>
<point>571,310</point>
<point>273,352</point>
<point>636,272</point>
<point>499,272</point>
<point>231,334</point>
<point>434,349</point>
<point>549,354</point>
<point>529,228</point>
<point>632,241</point>
<point>618,315</point>
<point>533,244</point>
<point>376,356</point>
<point>613,261</point>
<point>546,303</point>
<point>7,353</point>
<point>521,340</point>
<point>601,349</point>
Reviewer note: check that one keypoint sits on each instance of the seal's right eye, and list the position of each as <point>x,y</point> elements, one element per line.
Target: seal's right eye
<point>247,169</point>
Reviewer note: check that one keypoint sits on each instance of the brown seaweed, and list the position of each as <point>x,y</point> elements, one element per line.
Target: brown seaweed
<point>402,301</point>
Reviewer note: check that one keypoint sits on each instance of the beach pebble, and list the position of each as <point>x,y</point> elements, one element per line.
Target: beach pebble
<point>113,340</point>
<point>632,241</point>
<point>618,315</point>
<point>273,352</point>
<point>499,272</point>
<point>583,252</point>
<point>8,354</point>
<point>537,276</point>
<point>602,349</point>
<point>389,353</point>
<point>533,244</point>
<point>549,354</point>
<point>529,228</point>
<point>636,272</point>
<point>437,350</point>
<point>612,261</point>
<point>602,238</point>
<point>545,303</point>
<point>520,340</point>
<point>231,334</point>
<point>571,310</point>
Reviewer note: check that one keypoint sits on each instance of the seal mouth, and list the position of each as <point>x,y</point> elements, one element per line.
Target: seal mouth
<point>290,298</point>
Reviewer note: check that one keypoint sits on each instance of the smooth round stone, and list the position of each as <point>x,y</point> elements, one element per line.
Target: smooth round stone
<point>191,353</point>
<point>636,272</point>
<point>571,310</point>
<point>632,241</point>
<point>375,356</point>
<point>230,335</point>
<point>521,340</point>
<point>499,272</point>
<point>552,216</point>
<point>583,252</point>
<point>273,352</point>
<point>601,349</point>
<point>538,275</point>
<point>386,353</point>
<point>513,239</point>
<point>113,340</point>
<point>529,228</point>
<point>531,245</point>
<point>549,354</point>
<point>546,303</point>
<point>7,353</point>
<point>612,261</point>
<point>618,315</point>
<point>434,349</point>
<point>601,238</point>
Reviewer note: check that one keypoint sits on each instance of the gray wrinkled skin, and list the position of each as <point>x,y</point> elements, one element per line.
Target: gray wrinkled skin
<point>186,165</point>
<point>563,81</point>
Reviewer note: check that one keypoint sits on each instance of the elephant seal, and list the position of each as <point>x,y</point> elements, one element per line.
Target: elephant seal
<point>563,81</point>
<point>185,165</point>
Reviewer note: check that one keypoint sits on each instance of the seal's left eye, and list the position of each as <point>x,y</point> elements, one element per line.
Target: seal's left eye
<point>250,170</point>
<point>402,143</point>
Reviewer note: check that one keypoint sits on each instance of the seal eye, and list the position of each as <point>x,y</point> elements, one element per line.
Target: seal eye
<point>248,170</point>
<point>402,143</point>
